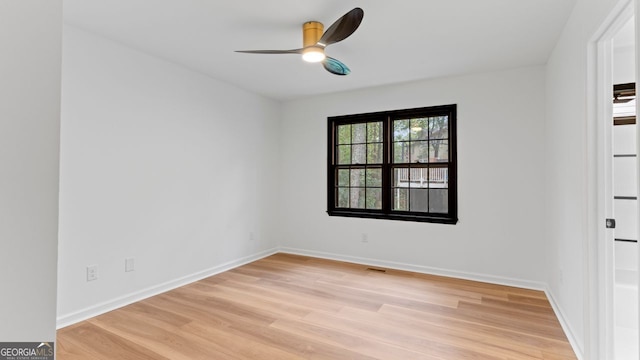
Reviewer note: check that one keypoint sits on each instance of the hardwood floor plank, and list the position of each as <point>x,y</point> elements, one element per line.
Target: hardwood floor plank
<point>374,289</point>
<point>314,293</point>
<point>532,310</point>
<point>250,299</point>
<point>237,344</point>
<point>470,327</point>
<point>295,307</point>
<point>220,310</point>
<point>87,341</point>
<point>152,333</point>
<point>286,297</point>
<point>503,318</point>
<point>293,343</point>
<point>230,276</point>
<point>430,340</point>
<point>542,302</point>
<point>362,344</point>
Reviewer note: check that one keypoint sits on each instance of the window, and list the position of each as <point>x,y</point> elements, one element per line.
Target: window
<point>398,165</point>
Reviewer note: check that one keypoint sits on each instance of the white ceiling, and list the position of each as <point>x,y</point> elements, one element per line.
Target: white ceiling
<point>398,41</point>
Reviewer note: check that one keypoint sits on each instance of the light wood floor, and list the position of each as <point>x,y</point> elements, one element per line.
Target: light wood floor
<point>294,307</point>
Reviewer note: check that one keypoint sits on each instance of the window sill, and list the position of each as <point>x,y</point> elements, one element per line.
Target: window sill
<point>394,216</point>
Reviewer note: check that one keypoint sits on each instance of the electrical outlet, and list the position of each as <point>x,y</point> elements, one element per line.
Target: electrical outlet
<point>365,238</point>
<point>92,272</point>
<point>251,236</point>
<point>128,265</point>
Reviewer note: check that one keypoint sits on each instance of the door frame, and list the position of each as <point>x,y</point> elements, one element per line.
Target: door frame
<point>599,252</point>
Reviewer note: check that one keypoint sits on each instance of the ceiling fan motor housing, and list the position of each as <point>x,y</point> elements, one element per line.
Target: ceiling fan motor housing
<point>311,33</point>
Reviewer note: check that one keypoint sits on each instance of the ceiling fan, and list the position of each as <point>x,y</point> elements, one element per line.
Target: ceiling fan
<point>314,41</point>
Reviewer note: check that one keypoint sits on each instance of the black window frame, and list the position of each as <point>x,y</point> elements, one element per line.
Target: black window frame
<point>387,118</point>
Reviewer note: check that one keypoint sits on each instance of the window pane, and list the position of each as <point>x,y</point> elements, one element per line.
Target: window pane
<point>438,178</point>
<point>419,200</point>
<point>439,127</point>
<point>344,134</point>
<point>359,133</point>
<point>374,153</point>
<point>419,129</point>
<point>400,130</point>
<point>401,152</point>
<point>439,201</point>
<point>419,177</point>
<point>401,199</point>
<point>374,132</point>
<point>374,177</point>
<point>343,197</point>
<point>358,177</point>
<point>344,154</point>
<point>357,198</point>
<point>401,177</point>
<point>374,198</point>
<point>343,177</point>
<point>359,154</point>
<point>419,151</point>
<point>439,150</point>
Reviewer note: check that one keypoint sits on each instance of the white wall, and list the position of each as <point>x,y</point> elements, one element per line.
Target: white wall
<point>161,164</point>
<point>567,170</point>
<point>30,39</point>
<point>500,164</point>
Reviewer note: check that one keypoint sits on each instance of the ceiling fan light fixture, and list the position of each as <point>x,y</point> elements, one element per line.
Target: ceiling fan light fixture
<point>313,54</point>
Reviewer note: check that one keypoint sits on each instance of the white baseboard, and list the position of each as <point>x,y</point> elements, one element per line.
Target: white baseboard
<point>533,285</point>
<point>568,331</point>
<point>101,308</point>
